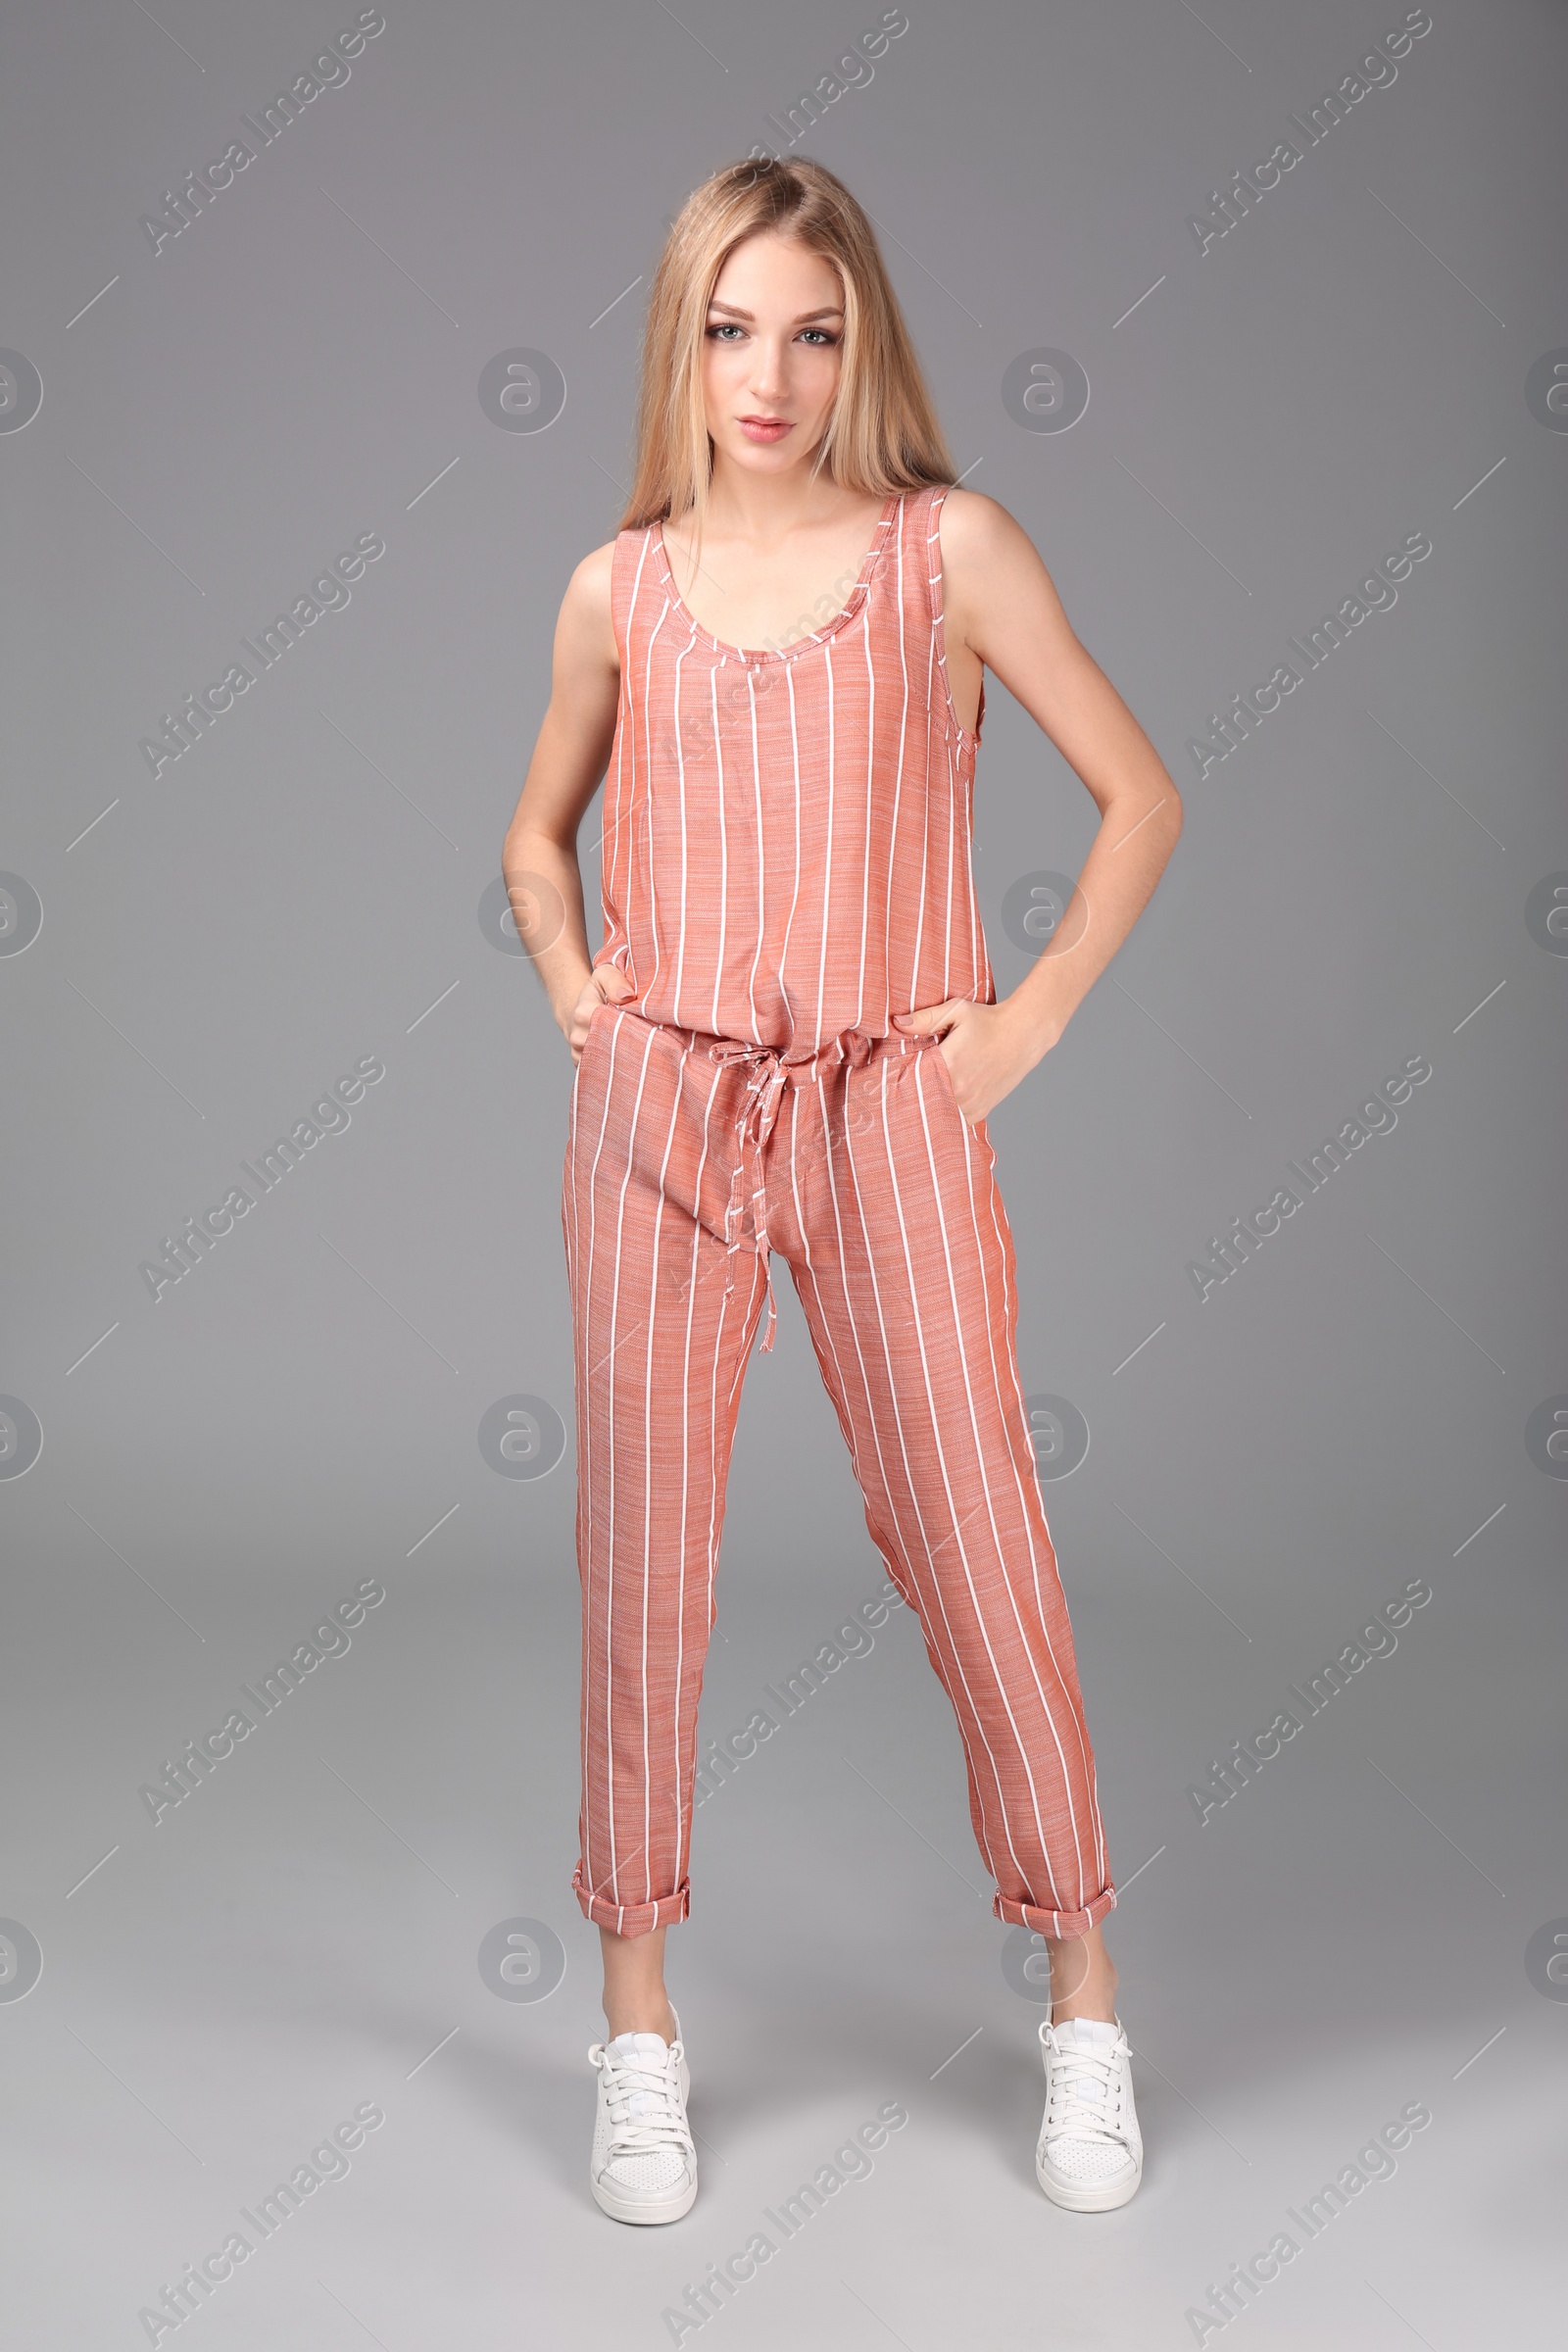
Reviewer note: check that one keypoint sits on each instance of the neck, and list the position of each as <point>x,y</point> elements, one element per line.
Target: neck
<point>763,509</point>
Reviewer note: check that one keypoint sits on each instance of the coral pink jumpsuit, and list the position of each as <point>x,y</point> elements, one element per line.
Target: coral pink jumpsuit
<point>786,865</point>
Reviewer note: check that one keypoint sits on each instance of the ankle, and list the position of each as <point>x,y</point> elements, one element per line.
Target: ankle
<point>1096,1998</point>
<point>650,2014</point>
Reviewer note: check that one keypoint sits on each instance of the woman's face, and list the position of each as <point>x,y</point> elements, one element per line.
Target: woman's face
<point>771,352</point>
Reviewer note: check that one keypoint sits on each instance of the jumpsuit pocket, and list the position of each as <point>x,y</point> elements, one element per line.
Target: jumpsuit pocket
<point>945,1081</point>
<point>945,1075</point>
<point>609,1006</point>
<point>587,1049</point>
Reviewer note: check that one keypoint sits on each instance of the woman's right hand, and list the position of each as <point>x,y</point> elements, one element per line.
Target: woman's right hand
<point>606,984</point>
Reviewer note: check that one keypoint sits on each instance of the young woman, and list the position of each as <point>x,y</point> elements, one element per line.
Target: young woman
<point>788,1041</point>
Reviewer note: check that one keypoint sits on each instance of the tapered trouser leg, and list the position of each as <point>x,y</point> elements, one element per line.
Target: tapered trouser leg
<point>907,1276</point>
<point>660,1343</point>
<point>687,1161</point>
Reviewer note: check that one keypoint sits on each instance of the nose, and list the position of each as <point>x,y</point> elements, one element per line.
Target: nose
<point>771,375</point>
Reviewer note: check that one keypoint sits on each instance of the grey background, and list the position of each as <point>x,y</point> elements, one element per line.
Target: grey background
<point>302,1410</point>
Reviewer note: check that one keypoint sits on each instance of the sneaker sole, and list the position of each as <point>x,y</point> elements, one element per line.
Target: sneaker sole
<point>1089,2199</point>
<point>671,2209</point>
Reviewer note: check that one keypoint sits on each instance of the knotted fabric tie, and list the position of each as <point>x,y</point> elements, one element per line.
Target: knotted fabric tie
<point>770,1072</point>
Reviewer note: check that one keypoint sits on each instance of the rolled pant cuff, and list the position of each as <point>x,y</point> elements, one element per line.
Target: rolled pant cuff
<point>632,1918</point>
<point>1056,1923</point>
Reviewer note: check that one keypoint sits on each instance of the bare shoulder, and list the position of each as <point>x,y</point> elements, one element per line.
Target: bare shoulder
<point>586,626</point>
<point>989,561</point>
<point>976,532</point>
<point>588,589</point>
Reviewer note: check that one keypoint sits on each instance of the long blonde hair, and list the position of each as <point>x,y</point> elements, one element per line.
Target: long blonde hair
<point>883,434</point>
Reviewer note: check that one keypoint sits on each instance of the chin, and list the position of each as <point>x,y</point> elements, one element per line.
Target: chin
<point>763,456</point>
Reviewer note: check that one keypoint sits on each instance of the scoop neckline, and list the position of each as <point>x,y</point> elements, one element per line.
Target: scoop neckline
<point>753,656</point>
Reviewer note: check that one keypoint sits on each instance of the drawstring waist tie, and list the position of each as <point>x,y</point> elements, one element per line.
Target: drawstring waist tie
<point>771,1073</point>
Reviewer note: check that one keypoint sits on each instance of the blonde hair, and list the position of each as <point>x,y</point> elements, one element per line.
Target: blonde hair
<point>883,434</point>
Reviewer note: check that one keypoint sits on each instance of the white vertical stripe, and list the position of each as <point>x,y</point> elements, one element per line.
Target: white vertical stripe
<point>898,982</point>
<point>676,683</point>
<point>829,861</point>
<point>715,1015</point>
<point>794,892</point>
<point>762,853</point>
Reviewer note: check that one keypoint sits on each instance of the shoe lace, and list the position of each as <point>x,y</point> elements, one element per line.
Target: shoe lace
<point>1085,2098</point>
<point>643,2098</point>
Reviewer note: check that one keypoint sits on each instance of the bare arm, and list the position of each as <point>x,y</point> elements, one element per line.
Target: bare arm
<point>539,856</point>
<point>1001,606</point>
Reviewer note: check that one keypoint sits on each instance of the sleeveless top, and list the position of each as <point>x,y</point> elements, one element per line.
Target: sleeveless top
<point>787,835</point>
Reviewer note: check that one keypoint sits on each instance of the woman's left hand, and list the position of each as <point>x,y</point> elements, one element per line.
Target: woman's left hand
<point>987,1048</point>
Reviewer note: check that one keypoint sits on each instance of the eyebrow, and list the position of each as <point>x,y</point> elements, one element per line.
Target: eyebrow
<point>831,310</point>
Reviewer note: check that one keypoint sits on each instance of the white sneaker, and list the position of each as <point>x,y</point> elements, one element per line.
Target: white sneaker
<point>644,2164</point>
<point>1089,2155</point>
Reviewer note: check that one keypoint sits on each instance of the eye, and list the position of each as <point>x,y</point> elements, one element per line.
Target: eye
<point>829,338</point>
<point>723,326</point>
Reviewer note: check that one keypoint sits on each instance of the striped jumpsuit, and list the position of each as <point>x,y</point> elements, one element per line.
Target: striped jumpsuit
<point>786,864</point>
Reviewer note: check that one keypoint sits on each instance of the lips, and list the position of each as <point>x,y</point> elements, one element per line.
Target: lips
<point>765,428</point>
